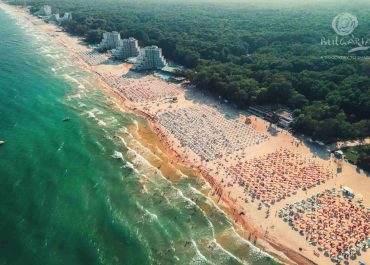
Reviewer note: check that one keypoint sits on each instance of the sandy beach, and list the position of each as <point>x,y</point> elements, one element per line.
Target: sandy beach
<point>254,169</point>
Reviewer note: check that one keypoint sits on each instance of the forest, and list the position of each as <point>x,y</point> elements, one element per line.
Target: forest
<point>250,54</point>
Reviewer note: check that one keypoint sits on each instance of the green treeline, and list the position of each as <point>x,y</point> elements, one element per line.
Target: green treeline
<point>249,54</point>
<point>359,155</point>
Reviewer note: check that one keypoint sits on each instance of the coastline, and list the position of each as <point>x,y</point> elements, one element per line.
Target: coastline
<point>280,248</point>
<point>125,105</point>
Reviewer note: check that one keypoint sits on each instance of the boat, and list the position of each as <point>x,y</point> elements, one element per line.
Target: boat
<point>67,119</point>
<point>2,142</point>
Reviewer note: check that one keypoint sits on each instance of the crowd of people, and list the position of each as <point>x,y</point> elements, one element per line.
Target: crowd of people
<point>209,133</point>
<point>93,57</point>
<point>146,89</point>
<point>338,225</point>
<point>274,176</point>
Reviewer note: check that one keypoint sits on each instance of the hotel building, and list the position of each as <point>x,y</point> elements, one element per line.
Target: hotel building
<point>59,20</point>
<point>150,58</point>
<point>44,11</point>
<point>126,48</point>
<point>111,40</point>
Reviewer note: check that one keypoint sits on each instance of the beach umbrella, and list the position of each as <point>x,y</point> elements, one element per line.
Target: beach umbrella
<point>360,197</point>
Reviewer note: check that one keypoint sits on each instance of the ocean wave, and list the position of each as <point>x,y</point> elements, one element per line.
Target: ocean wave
<point>142,164</point>
<point>77,95</point>
<point>90,114</point>
<point>206,186</point>
<point>81,104</point>
<point>199,258</point>
<point>96,111</point>
<point>180,173</point>
<point>60,147</point>
<point>101,123</point>
<point>100,145</point>
<point>71,78</point>
<point>137,160</point>
<point>255,250</point>
<point>180,194</point>
<point>52,56</point>
<point>195,191</point>
<point>147,216</point>
<point>128,165</point>
<point>117,155</point>
<point>228,253</point>
<point>211,203</point>
<point>123,130</point>
<point>140,147</point>
<point>111,121</point>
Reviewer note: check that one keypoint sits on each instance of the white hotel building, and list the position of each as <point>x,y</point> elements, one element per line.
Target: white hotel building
<point>150,58</point>
<point>111,40</point>
<point>126,48</point>
<point>44,11</point>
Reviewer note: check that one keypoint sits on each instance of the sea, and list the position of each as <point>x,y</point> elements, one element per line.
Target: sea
<point>76,186</point>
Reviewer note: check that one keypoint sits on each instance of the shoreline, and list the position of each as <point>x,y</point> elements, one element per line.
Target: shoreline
<point>126,105</point>
<point>224,203</point>
<point>269,244</point>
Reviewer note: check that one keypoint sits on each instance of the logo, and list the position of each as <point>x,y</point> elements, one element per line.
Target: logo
<point>344,24</point>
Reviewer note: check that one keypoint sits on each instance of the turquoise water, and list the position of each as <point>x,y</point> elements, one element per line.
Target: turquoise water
<point>70,191</point>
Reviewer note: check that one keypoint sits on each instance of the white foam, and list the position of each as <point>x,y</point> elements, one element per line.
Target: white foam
<point>117,155</point>
<point>137,160</point>
<point>81,105</point>
<point>70,78</point>
<point>206,186</point>
<point>189,201</point>
<point>111,121</point>
<point>123,141</point>
<point>195,191</point>
<point>101,123</point>
<point>129,165</point>
<point>226,251</point>
<point>60,147</point>
<point>90,114</point>
<point>141,147</point>
<point>100,145</point>
<point>123,130</point>
<point>199,258</point>
<point>152,216</point>
<point>77,95</point>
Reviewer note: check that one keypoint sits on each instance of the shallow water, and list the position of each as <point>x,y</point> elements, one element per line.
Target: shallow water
<point>75,193</point>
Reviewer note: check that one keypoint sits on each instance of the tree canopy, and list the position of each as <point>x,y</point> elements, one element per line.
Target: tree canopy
<point>248,54</point>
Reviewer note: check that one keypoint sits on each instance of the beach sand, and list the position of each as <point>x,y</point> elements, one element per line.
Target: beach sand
<point>271,234</point>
